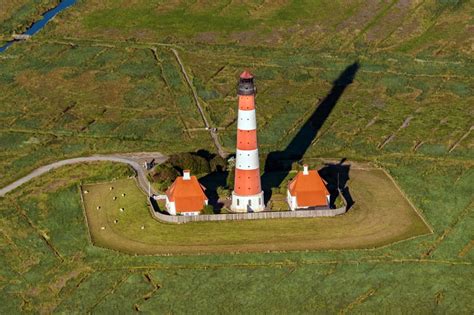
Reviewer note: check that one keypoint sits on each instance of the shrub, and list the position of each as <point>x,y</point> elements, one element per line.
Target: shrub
<point>217,164</point>
<point>164,175</point>
<point>223,192</point>
<point>230,178</point>
<point>208,209</point>
<point>189,161</point>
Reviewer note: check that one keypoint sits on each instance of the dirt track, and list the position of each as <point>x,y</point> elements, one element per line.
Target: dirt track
<point>135,160</point>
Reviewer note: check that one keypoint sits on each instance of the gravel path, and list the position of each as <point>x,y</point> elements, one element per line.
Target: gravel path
<point>134,160</point>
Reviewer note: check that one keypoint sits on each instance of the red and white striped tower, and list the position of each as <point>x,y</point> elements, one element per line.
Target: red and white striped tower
<point>247,195</point>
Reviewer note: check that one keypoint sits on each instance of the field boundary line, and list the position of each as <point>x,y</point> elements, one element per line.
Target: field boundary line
<point>213,134</point>
<point>466,249</point>
<point>409,201</point>
<point>84,213</point>
<point>191,87</point>
<point>448,230</point>
<point>87,275</point>
<point>464,136</point>
<point>383,11</point>
<point>405,19</point>
<point>111,290</point>
<point>359,300</point>
<point>159,63</point>
<point>38,232</point>
<point>286,264</point>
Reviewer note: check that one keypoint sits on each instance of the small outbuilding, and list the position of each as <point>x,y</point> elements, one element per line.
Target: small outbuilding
<point>307,190</point>
<point>186,196</point>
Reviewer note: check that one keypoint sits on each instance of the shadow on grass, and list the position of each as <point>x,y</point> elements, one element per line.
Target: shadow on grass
<point>278,163</point>
<point>336,176</point>
<point>212,181</point>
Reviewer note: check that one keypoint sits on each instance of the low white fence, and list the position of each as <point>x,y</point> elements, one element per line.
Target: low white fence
<point>248,216</point>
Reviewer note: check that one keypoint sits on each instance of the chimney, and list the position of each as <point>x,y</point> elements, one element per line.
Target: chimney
<point>186,175</point>
<point>305,169</point>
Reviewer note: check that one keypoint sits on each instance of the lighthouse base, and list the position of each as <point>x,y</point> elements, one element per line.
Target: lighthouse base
<point>252,203</point>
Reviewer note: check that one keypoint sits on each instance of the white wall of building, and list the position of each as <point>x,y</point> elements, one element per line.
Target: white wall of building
<point>291,201</point>
<point>170,206</point>
<point>252,203</point>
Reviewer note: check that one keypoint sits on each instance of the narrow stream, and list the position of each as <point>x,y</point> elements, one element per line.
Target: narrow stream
<point>38,25</point>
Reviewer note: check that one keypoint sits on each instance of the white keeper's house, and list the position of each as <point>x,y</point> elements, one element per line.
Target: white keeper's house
<point>307,191</point>
<point>186,196</point>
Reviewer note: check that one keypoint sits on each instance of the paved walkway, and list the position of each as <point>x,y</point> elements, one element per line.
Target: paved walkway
<point>131,159</point>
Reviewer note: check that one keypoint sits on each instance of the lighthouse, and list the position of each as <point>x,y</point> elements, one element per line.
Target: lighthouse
<point>247,195</point>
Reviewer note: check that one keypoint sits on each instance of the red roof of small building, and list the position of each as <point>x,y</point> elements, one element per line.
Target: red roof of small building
<point>246,75</point>
<point>188,194</point>
<point>309,190</point>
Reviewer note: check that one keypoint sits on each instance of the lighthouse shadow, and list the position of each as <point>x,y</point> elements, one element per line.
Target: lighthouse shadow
<point>278,163</point>
<point>336,175</point>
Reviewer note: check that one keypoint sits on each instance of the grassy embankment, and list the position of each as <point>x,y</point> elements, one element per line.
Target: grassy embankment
<point>381,216</point>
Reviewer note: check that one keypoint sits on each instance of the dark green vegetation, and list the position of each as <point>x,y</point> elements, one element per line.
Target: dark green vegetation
<point>91,82</point>
<point>199,163</point>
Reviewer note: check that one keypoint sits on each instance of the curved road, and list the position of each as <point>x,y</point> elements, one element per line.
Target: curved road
<point>130,159</point>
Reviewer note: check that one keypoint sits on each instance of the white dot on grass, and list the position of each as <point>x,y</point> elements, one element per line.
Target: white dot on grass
<point>143,227</point>
<point>114,198</point>
<point>111,187</point>
<point>123,195</point>
<point>115,221</point>
<point>122,209</point>
<point>102,227</point>
<point>98,207</point>
<point>86,191</point>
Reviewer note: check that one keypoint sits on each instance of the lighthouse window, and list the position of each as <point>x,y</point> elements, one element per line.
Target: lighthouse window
<point>259,201</point>
<point>250,202</point>
<point>238,202</point>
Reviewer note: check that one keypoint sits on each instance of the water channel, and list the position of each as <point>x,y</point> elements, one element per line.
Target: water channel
<point>38,25</point>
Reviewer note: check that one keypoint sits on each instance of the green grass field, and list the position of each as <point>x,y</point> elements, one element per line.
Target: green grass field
<point>50,263</point>
<point>101,78</point>
<point>381,217</point>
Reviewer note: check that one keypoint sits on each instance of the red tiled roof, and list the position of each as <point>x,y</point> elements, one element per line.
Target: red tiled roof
<point>188,195</point>
<point>309,190</point>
